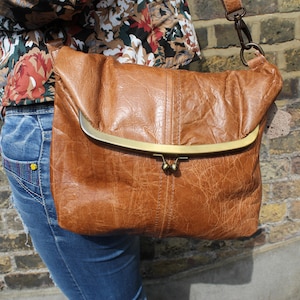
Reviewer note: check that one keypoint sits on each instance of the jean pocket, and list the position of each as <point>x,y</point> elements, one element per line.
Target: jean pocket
<point>21,143</point>
<point>26,171</point>
<point>21,138</point>
<point>23,175</point>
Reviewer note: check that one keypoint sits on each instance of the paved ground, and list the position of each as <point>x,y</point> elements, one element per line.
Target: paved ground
<point>45,294</point>
<point>268,274</point>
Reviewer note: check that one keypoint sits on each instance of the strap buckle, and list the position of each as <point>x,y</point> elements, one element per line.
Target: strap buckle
<point>245,39</point>
<point>244,34</point>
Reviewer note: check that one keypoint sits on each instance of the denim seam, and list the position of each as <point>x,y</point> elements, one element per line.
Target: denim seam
<point>30,192</point>
<point>6,163</point>
<point>47,213</point>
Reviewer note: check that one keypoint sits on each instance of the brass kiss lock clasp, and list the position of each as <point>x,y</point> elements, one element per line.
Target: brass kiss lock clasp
<point>170,167</point>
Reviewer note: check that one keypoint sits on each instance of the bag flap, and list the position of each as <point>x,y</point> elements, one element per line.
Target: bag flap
<point>166,106</point>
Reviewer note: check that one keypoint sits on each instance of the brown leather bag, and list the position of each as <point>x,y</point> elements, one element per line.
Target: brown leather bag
<point>159,152</point>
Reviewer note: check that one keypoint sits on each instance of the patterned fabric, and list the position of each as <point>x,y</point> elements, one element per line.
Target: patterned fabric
<point>149,32</point>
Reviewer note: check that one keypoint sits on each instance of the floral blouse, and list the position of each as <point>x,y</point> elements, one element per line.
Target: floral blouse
<point>148,32</point>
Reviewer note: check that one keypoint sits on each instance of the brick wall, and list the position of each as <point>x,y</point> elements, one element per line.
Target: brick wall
<point>276,26</point>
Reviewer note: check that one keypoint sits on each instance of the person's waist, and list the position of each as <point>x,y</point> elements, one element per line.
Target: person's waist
<point>45,107</point>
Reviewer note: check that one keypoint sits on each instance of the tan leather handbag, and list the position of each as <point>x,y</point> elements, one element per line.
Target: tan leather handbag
<point>175,155</point>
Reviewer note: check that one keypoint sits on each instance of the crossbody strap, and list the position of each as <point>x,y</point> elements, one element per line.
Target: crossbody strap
<point>235,12</point>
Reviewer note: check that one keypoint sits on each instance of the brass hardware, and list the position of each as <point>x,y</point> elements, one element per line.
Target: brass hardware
<point>172,150</point>
<point>170,167</point>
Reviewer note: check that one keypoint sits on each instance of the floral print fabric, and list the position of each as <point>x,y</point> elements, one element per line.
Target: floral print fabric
<point>148,32</point>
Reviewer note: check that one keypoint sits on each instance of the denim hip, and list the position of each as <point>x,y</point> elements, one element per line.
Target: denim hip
<point>83,267</point>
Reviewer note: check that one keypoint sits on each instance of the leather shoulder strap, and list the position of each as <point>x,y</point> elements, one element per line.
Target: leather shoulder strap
<point>232,5</point>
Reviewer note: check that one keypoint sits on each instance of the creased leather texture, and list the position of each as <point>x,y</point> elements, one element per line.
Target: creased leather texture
<point>101,189</point>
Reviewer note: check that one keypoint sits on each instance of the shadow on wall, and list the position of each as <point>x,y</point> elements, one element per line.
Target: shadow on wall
<point>272,274</point>
<point>203,285</point>
<point>230,264</point>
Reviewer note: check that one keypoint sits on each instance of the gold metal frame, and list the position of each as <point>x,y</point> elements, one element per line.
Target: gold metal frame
<point>153,148</point>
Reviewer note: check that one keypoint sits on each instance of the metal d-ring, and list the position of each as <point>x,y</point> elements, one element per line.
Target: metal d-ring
<point>248,46</point>
<point>244,34</point>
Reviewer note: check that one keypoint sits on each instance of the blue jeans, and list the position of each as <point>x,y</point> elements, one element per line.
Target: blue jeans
<point>83,267</point>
